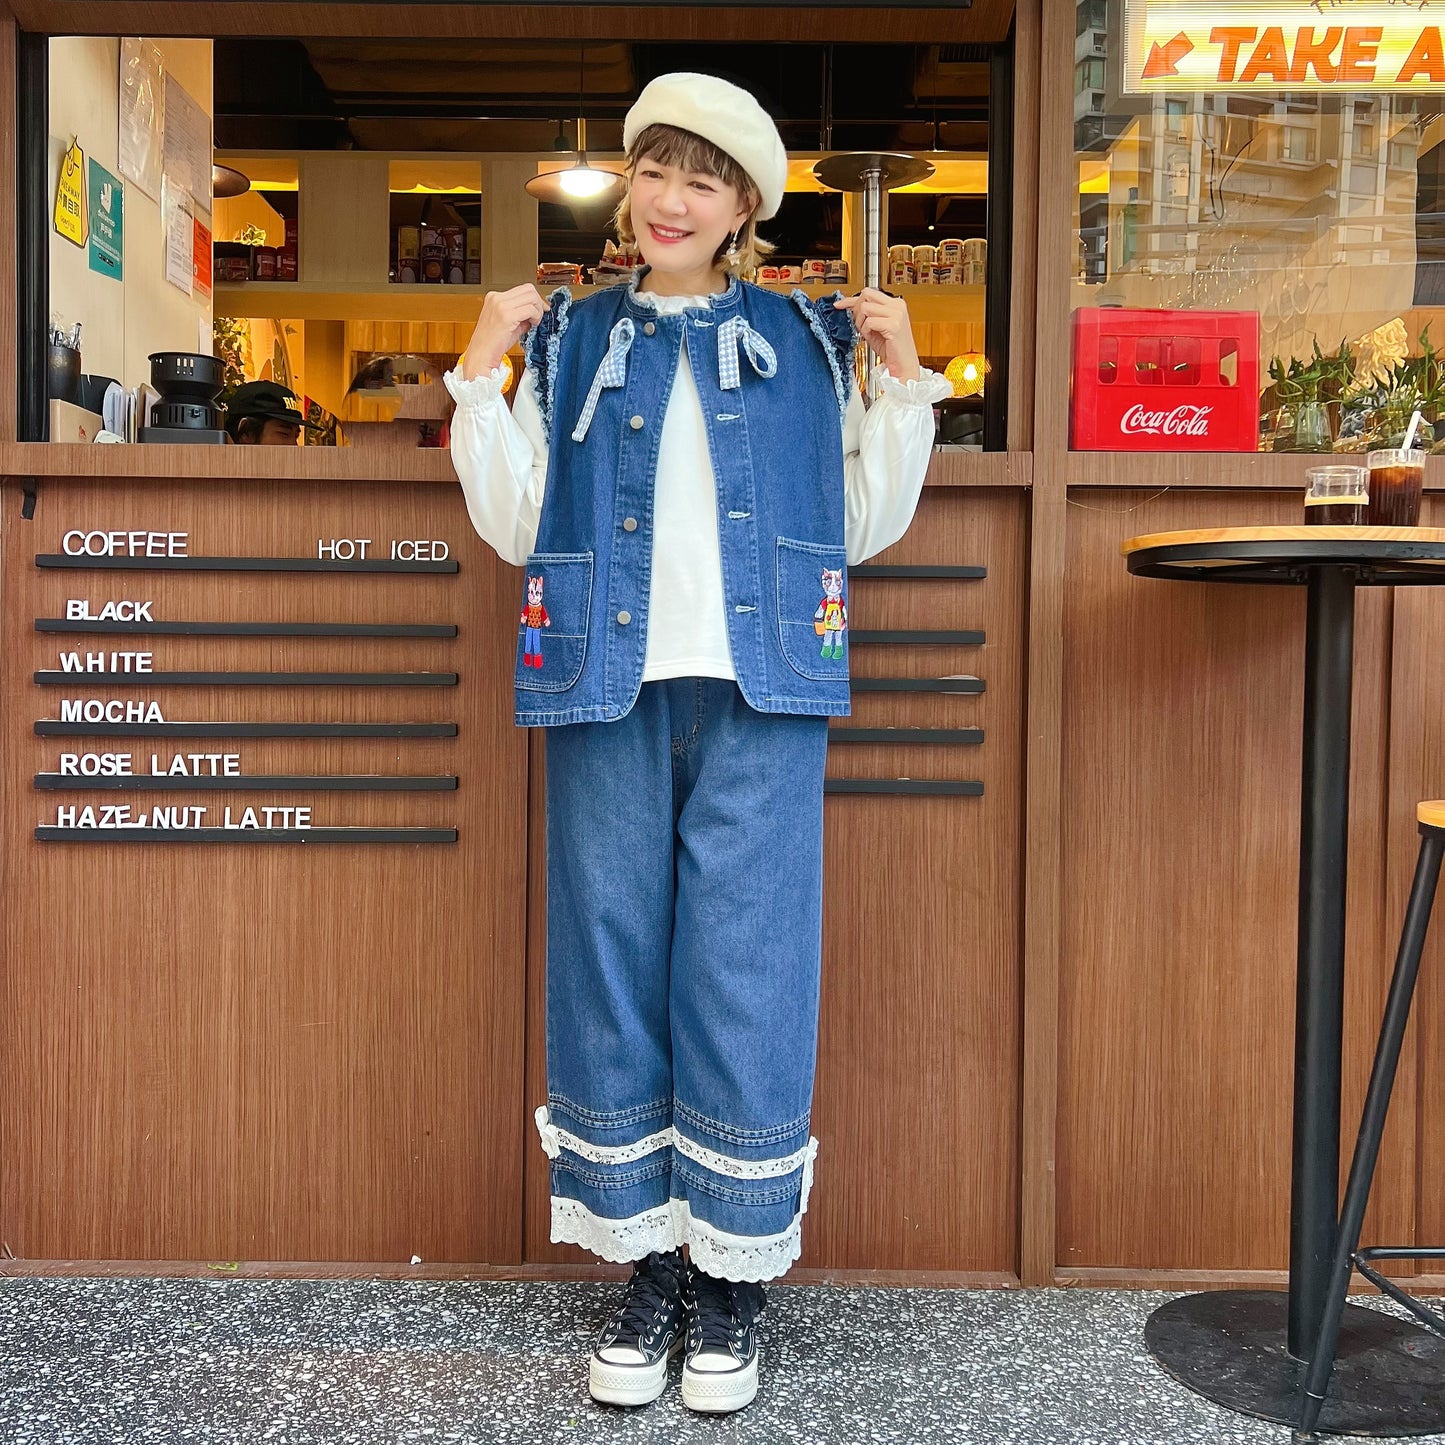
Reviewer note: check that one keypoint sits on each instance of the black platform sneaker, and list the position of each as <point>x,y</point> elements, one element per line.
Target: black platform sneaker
<point>720,1373</point>
<point>629,1363</point>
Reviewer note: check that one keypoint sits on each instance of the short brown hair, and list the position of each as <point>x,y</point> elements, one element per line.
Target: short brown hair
<point>670,146</point>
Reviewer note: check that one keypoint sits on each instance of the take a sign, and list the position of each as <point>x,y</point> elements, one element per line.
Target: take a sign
<point>1183,45</point>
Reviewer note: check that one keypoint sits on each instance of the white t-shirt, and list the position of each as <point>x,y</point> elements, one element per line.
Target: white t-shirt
<point>501,459</point>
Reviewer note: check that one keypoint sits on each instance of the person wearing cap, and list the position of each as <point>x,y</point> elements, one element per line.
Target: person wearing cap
<point>265,413</point>
<point>686,473</point>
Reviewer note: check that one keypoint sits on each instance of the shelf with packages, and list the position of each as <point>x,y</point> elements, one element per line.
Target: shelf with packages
<point>436,321</point>
<point>298,301</point>
<point>345,309</point>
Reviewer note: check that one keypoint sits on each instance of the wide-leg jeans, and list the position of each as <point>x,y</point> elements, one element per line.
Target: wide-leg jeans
<point>684,923</point>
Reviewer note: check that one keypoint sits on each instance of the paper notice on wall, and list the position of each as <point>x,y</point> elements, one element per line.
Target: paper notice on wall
<point>178,231</point>
<point>201,261</point>
<point>188,144</point>
<point>142,119</point>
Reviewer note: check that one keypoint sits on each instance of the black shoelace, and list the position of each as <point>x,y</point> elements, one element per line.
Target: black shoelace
<point>652,1291</point>
<point>721,1312</point>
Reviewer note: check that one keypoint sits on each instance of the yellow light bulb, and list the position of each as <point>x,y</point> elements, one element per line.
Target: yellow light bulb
<point>967,373</point>
<point>582,181</point>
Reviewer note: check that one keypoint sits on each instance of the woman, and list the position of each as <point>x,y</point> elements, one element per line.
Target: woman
<point>686,472</point>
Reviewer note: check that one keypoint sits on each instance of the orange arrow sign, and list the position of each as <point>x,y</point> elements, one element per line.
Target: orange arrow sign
<point>1164,59</point>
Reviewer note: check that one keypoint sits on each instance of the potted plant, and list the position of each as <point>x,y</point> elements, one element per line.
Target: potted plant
<point>1306,391</point>
<point>1393,384</point>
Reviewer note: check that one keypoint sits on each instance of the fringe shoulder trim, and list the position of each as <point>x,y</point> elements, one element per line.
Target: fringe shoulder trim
<point>836,334</point>
<point>540,348</point>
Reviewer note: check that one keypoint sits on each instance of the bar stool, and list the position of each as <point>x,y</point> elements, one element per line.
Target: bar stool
<point>1348,1255</point>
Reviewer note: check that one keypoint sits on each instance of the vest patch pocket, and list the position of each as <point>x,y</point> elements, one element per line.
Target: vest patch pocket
<point>813,608</point>
<point>552,635</point>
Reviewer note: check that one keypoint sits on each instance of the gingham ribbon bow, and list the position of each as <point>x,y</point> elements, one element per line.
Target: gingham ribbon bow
<point>732,334</point>
<point>612,372</point>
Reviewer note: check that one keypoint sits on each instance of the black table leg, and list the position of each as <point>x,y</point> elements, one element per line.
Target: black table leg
<point>1248,1349</point>
<point>1320,978</point>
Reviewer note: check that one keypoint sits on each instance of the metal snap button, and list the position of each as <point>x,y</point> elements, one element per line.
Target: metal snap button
<point>624,617</point>
<point>649,328</point>
<point>629,524</point>
<point>636,423</point>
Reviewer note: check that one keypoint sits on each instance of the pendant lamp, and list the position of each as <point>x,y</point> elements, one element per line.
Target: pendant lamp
<point>226,181</point>
<point>578,184</point>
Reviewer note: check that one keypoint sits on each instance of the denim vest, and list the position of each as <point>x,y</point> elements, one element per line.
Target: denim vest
<point>774,374</point>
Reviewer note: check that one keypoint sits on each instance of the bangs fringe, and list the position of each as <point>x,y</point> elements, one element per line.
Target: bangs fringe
<point>669,145</point>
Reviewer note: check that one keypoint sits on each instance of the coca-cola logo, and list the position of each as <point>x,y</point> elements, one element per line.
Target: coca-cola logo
<point>1183,421</point>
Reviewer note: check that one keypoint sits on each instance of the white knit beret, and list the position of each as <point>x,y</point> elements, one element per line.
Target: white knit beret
<point>724,114</point>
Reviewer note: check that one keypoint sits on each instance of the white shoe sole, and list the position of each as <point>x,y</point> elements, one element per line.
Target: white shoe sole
<point>711,1393</point>
<point>611,1384</point>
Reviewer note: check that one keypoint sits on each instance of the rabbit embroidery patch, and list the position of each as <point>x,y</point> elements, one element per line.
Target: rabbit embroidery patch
<point>830,621</point>
<point>534,619</point>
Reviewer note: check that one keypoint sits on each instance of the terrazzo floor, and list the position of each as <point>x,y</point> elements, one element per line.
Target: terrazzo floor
<point>300,1362</point>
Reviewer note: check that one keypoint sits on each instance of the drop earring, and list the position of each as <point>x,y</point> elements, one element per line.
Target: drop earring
<point>731,254</point>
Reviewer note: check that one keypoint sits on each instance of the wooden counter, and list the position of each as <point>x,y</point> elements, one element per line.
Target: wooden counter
<point>343,1038</point>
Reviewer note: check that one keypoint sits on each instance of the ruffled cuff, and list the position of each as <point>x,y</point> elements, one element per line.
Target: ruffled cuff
<point>480,390</point>
<point>928,388</point>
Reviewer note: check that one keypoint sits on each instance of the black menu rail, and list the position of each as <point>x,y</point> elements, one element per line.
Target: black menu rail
<point>46,834</point>
<point>54,678</point>
<point>253,782</point>
<point>51,727</point>
<point>238,564</point>
<point>251,629</point>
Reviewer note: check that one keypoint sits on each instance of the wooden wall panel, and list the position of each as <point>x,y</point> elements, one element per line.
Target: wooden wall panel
<point>981,22</point>
<point>918,1079</point>
<point>267,1051</point>
<point>918,1098</point>
<point>1182,707</point>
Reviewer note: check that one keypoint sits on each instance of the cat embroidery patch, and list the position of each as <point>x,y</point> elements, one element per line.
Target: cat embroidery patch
<point>830,621</point>
<point>534,619</point>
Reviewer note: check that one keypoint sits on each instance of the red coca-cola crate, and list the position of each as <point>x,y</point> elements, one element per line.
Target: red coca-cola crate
<point>1166,381</point>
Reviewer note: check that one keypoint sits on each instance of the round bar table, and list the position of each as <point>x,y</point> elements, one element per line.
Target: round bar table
<point>1247,1349</point>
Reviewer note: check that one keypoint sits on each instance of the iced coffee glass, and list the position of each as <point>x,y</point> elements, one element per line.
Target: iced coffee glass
<point>1396,479</point>
<point>1336,496</point>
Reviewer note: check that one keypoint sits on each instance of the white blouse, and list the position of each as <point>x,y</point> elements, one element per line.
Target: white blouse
<point>501,459</point>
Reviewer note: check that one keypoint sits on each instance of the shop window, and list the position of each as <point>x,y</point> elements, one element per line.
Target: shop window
<point>1298,144</point>
<point>393,182</point>
<point>1291,226</point>
<point>1403,154</point>
<point>1090,15</point>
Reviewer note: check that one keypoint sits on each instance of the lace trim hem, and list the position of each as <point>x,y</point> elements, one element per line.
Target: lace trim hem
<point>555,1140</point>
<point>740,1257</point>
<point>747,1168</point>
<point>618,1241</point>
<point>717,1252</point>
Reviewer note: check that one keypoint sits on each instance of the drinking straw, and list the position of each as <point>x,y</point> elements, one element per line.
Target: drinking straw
<point>1410,430</point>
